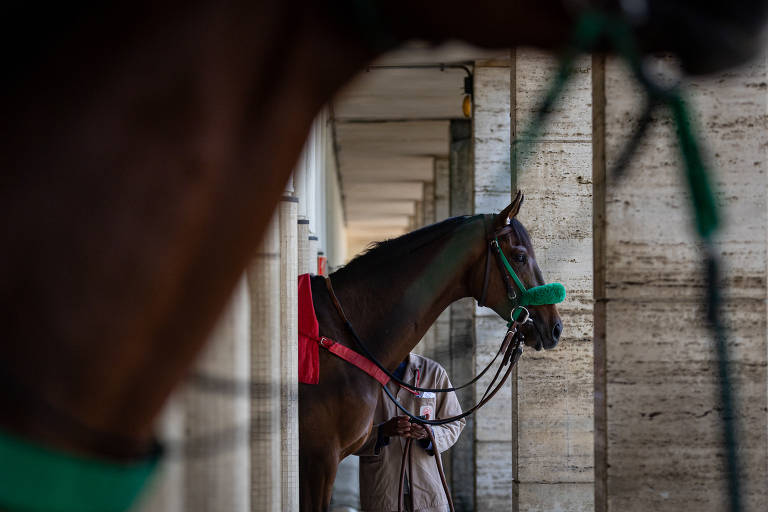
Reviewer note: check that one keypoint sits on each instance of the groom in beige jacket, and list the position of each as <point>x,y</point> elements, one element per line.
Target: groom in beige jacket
<point>382,453</point>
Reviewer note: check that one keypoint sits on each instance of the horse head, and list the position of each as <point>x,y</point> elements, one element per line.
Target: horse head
<point>545,327</point>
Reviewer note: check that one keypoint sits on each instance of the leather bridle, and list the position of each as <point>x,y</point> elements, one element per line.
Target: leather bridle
<point>493,248</point>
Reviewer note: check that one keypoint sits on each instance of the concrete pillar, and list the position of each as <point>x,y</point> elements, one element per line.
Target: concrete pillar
<point>216,425</point>
<point>427,216</point>
<point>441,350</point>
<point>314,248</point>
<point>303,245</point>
<point>553,392</point>
<point>289,393</point>
<point>336,239</point>
<point>428,204</point>
<point>460,365</point>
<point>495,443</point>
<point>418,215</point>
<point>658,418</point>
<point>265,288</point>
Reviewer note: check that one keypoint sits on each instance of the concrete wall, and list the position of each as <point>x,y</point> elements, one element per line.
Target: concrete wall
<point>658,443</point>
<point>534,441</point>
<point>554,457</point>
<point>494,437</point>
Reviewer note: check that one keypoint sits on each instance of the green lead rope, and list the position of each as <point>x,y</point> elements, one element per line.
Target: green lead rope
<point>34,478</point>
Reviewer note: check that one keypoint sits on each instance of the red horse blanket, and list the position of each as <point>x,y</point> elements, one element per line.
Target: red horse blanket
<point>309,331</point>
<point>310,342</point>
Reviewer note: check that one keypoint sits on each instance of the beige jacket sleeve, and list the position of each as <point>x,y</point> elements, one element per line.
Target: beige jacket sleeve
<point>446,435</point>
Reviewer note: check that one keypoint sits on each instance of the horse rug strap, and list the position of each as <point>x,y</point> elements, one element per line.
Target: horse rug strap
<point>310,341</point>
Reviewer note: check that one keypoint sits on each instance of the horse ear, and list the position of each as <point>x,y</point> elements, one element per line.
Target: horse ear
<point>510,212</point>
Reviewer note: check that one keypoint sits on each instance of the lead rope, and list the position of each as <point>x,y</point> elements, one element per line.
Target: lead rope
<point>408,454</point>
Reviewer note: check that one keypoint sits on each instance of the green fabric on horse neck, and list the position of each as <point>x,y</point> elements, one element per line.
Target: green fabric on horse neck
<point>34,478</point>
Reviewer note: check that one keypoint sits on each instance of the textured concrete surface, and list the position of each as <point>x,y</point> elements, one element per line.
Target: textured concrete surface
<point>662,417</point>
<point>460,366</point>
<point>554,456</point>
<point>492,192</point>
<point>218,479</point>
<point>264,285</point>
<point>289,359</point>
<point>556,498</point>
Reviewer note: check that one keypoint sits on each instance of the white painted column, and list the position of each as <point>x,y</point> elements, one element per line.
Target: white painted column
<point>289,394</point>
<point>553,394</point>
<point>302,234</point>
<point>313,249</point>
<point>495,442</point>
<point>658,442</point>
<point>335,237</point>
<point>217,472</point>
<point>265,289</point>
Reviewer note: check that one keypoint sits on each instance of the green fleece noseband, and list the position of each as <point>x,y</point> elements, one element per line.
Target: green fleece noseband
<point>34,478</point>
<point>551,293</point>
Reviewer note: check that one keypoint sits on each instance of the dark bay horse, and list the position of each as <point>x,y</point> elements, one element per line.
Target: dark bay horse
<point>144,147</point>
<point>391,295</point>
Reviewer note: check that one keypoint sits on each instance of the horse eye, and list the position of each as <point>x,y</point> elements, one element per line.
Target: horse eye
<point>521,258</point>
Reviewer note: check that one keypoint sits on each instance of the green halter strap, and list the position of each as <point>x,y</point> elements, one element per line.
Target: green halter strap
<point>34,478</point>
<point>552,293</point>
<point>504,260</point>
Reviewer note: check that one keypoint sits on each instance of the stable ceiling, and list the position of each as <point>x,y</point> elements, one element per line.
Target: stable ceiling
<point>390,124</point>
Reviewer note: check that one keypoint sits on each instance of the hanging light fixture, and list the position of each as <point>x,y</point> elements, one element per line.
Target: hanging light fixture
<point>466,104</point>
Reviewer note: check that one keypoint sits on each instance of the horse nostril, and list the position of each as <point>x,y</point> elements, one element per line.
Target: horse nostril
<point>557,330</point>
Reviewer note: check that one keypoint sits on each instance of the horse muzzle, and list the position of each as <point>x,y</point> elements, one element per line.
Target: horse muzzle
<point>540,334</point>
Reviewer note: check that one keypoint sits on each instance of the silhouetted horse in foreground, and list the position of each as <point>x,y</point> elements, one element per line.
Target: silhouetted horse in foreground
<point>391,295</point>
<point>144,147</point>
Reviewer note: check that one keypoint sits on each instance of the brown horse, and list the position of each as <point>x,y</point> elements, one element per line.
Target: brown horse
<point>391,295</point>
<point>143,150</point>
<point>144,147</point>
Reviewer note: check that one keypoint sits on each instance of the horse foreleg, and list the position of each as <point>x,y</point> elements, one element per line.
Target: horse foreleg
<point>317,472</point>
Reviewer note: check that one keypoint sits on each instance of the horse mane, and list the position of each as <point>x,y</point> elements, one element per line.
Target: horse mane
<point>395,248</point>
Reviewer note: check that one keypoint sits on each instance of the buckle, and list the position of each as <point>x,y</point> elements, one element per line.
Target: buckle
<point>524,316</point>
<point>326,342</point>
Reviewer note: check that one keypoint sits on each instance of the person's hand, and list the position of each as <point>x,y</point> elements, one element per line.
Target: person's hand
<point>396,426</point>
<point>418,431</point>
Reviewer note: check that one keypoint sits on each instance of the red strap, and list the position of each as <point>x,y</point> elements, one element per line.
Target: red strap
<point>352,357</point>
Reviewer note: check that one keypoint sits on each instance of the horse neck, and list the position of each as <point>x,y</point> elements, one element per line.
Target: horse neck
<point>392,306</point>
